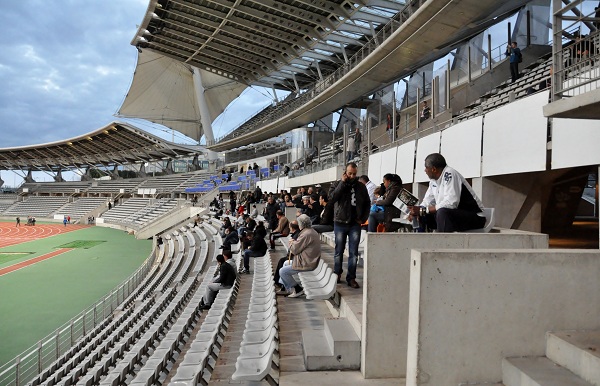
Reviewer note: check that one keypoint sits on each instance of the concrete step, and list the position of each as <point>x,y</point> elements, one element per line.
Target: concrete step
<point>481,384</point>
<point>336,347</point>
<point>537,371</point>
<point>578,351</point>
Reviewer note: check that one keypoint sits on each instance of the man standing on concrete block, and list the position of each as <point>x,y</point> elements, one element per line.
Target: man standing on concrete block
<point>450,204</point>
<point>351,208</point>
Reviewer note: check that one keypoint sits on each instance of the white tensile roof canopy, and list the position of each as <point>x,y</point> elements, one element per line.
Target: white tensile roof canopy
<point>163,92</point>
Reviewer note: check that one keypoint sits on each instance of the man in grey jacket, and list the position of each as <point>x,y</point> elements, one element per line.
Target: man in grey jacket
<point>351,209</point>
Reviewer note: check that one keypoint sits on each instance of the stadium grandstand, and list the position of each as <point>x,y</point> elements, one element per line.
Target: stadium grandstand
<point>383,84</point>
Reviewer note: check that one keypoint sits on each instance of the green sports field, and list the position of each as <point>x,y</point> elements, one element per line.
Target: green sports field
<point>37,299</point>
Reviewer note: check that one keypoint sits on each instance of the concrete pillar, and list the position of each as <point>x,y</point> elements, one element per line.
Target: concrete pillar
<point>205,117</point>
<point>29,177</point>
<point>519,196</point>
<point>142,172</point>
<point>58,177</point>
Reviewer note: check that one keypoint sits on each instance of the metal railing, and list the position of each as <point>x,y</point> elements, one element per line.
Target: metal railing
<point>271,114</point>
<point>579,71</point>
<point>32,361</point>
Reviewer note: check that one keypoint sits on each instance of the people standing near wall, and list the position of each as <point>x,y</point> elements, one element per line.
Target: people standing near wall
<point>358,140</point>
<point>425,112</point>
<point>369,184</point>
<point>351,209</point>
<point>515,57</point>
<point>351,148</point>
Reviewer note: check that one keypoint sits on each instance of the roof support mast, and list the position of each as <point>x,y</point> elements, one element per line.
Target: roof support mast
<point>205,118</point>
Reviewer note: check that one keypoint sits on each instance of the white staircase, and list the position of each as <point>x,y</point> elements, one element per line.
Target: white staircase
<point>335,347</point>
<point>572,358</point>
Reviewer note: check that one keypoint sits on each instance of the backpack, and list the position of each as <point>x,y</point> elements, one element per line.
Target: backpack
<point>520,56</point>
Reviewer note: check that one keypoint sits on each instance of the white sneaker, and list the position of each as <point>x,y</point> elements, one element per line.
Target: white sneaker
<point>295,294</point>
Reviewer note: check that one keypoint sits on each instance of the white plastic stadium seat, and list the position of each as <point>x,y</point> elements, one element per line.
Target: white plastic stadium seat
<point>489,221</point>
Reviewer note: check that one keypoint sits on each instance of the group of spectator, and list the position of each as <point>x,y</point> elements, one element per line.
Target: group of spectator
<point>350,205</point>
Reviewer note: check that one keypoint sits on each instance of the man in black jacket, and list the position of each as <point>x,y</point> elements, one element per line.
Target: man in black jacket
<point>231,238</point>
<point>351,208</point>
<point>257,248</point>
<point>224,281</point>
<point>270,213</point>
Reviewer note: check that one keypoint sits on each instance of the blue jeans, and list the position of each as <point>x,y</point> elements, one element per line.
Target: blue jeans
<point>286,274</point>
<point>375,218</point>
<point>351,232</point>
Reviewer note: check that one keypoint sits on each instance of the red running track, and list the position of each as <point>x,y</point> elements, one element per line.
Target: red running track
<point>11,234</point>
<point>32,261</point>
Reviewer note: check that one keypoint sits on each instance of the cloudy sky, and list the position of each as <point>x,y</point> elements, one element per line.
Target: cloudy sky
<point>66,66</point>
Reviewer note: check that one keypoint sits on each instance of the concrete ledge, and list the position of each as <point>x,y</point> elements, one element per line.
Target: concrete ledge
<point>469,309</point>
<point>386,289</point>
<point>583,106</point>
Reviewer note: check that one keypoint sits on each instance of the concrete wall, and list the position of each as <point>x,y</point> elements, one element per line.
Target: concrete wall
<point>168,221</point>
<point>471,308</point>
<point>386,289</point>
<point>320,177</point>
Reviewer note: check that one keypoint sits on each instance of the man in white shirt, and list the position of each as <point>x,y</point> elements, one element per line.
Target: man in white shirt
<point>370,186</point>
<point>450,204</point>
<point>351,148</point>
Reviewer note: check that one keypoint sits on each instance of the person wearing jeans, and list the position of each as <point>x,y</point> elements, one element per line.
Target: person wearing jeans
<point>343,232</point>
<point>351,208</point>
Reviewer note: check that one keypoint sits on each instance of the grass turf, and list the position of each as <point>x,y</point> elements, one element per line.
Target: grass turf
<point>39,298</point>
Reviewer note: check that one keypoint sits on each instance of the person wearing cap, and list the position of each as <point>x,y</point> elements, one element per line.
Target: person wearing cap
<point>318,189</point>
<point>307,252</point>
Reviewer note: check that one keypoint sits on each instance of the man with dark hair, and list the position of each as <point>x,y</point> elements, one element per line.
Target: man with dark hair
<point>258,247</point>
<point>231,238</point>
<point>514,53</point>
<point>450,204</point>
<point>282,230</point>
<point>224,281</point>
<point>326,215</point>
<point>393,186</point>
<point>351,208</point>
<point>270,213</point>
<point>369,184</point>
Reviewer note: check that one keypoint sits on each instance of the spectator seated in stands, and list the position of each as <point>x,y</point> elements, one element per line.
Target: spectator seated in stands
<point>287,200</point>
<point>314,208</point>
<point>450,204</point>
<point>249,225</point>
<point>225,226</point>
<point>294,232</point>
<point>303,206</point>
<point>231,238</point>
<point>393,186</point>
<point>254,212</point>
<point>258,247</point>
<point>282,230</point>
<point>240,221</point>
<point>325,223</point>
<point>260,230</point>
<point>215,204</point>
<point>224,281</point>
<point>307,252</point>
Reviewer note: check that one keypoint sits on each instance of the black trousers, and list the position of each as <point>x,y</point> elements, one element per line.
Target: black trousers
<point>279,265</point>
<point>514,71</point>
<point>454,220</point>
